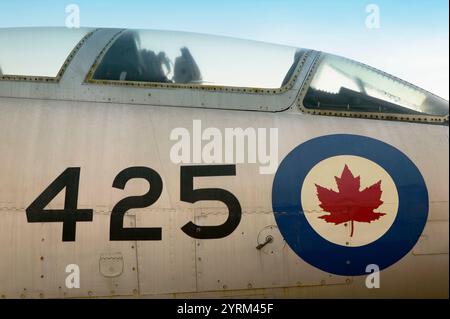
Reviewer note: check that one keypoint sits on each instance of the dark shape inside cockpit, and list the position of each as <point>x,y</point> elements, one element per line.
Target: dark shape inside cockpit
<point>186,69</point>
<point>127,61</point>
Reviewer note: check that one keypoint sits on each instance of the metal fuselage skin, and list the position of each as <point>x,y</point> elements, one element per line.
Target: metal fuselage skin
<point>46,128</point>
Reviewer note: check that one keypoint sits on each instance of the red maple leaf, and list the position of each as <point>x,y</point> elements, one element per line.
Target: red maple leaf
<point>349,204</point>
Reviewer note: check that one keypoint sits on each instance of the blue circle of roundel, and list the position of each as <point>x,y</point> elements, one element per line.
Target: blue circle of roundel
<point>325,255</point>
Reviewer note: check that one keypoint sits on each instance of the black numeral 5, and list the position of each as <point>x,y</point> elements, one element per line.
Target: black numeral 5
<point>191,195</point>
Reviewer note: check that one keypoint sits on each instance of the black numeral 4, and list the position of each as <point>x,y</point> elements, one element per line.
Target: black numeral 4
<point>70,215</point>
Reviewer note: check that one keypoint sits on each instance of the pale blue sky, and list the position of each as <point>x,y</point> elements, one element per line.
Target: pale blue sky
<point>412,41</point>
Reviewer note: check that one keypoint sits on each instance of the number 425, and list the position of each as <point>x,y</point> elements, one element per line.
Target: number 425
<point>70,214</point>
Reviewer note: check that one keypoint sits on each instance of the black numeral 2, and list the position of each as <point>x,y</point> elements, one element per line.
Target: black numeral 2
<point>117,231</point>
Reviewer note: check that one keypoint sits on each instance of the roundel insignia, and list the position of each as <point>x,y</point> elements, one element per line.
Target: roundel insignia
<point>343,202</point>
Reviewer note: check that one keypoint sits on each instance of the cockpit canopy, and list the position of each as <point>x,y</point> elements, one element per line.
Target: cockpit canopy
<point>184,58</point>
<point>37,52</point>
<point>332,85</point>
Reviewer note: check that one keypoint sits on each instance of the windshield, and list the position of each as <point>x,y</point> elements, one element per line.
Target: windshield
<point>343,84</point>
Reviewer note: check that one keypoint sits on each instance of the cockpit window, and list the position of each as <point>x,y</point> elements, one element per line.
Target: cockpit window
<point>340,84</point>
<point>193,59</point>
<point>36,52</point>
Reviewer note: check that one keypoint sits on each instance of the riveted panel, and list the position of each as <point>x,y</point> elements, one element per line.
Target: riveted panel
<point>33,259</point>
<point>234,262</point>
<point>167,265</point>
